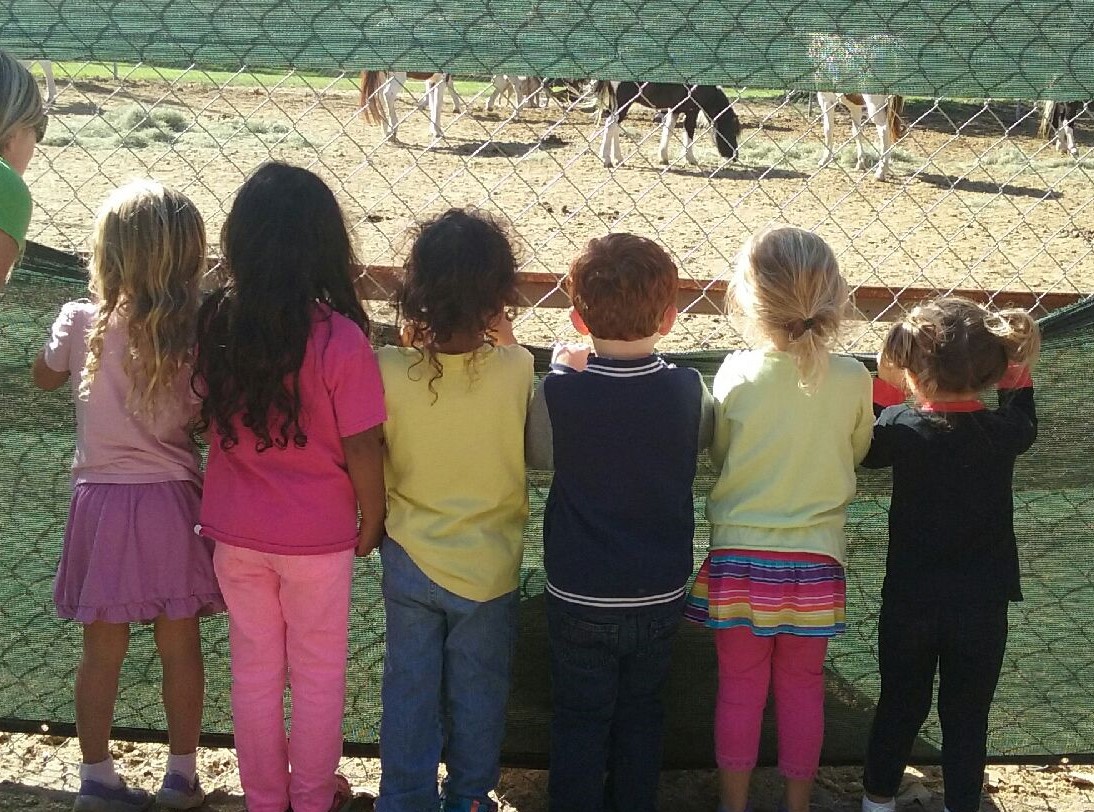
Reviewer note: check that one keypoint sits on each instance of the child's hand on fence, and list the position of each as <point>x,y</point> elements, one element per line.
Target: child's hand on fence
<point>574,356</point>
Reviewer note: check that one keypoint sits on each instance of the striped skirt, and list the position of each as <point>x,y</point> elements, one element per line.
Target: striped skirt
<point>769,593</point>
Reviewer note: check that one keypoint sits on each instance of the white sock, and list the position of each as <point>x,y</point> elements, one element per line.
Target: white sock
<point>874,806</point>
<point>186,765</point>
<point>102,772</point>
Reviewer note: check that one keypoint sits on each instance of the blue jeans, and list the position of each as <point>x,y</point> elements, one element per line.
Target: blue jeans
<point>608,673</point>
<point>446,682</point>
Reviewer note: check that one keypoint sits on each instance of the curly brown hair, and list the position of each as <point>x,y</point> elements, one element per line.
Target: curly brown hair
<point>621,285</point>
<point>460,274</point>
<point>954,345</point>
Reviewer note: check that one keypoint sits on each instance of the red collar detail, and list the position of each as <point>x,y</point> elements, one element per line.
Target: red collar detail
<point>953,406</point>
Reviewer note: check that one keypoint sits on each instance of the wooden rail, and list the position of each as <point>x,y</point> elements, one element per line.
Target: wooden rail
<point>705,297</point>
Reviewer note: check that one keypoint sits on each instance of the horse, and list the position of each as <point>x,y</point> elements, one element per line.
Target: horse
<point>1058,124</point>
<point>883,111</point>
<point>379,89</point>
<point>674,99</point>
<point>525,91</point>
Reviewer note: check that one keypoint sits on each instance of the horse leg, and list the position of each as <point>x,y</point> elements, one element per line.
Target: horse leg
<point>668,124</point>
<point>435,97</point>
<point>691,119</point>
<point>609,147</point>
<point>827,103</point>
<point>392,87</point>
<point>51,85</point>
<point>879,115</point>
<point>457,100</point>
<point>498,81</point>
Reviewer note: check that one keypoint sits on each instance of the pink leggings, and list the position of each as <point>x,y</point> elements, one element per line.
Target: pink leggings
<point>746,663</point>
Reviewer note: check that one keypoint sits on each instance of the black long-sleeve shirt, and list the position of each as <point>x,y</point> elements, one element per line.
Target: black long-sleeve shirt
<point>951,520</point>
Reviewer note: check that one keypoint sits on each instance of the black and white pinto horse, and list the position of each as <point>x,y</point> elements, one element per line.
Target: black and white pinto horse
<point>884,112</point>
<point>1058,124</point>
<point>674,100</point>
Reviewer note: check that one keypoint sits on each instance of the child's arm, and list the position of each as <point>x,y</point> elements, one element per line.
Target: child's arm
<point>883,435</point>
<point>45,377</point>
<point>706,417</point>
<point>365,462</point>
<point>539,449</point>
<point>1017,406</point>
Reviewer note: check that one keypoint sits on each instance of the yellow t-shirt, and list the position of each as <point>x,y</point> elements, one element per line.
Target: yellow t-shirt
<point>454,465</point>
<point>786,458</point>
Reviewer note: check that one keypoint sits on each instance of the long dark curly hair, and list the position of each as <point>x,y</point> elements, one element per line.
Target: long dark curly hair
<point>460,274</point>
<point>285,249</point>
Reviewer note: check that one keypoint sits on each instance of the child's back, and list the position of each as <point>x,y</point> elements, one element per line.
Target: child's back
<point>454,470</point>
<point>786,455</point>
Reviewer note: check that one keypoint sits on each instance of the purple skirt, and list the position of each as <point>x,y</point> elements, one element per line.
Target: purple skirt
<point>131,555</point>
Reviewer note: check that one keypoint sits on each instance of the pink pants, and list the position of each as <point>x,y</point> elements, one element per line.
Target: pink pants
<point>746,664</point>
<point>288,615</point>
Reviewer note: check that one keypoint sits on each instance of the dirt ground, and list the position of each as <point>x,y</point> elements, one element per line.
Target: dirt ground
<point>39,773</point>
<point>975,200</point>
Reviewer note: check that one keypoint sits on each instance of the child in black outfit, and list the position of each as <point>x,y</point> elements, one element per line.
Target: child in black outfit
<point>952,564</point>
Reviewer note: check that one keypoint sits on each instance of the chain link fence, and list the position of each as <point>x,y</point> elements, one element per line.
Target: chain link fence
<point>976,198</point>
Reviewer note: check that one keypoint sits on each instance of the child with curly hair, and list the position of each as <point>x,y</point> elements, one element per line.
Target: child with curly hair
<point>456,398</point>
<point>952,565</point>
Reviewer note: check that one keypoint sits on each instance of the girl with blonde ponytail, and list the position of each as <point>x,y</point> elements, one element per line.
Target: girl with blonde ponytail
<point>952,565</point>
<point>792,421</point>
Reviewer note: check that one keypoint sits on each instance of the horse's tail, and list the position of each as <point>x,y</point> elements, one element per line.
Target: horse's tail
<point>1047,115</point>
<point>371,82</point>
<point>895,116</point>
<point>716,107</point>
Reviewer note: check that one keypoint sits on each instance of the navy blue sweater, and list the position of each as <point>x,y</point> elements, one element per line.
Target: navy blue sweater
<point>623,437</point>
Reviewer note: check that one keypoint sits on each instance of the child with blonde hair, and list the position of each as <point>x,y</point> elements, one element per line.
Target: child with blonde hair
<point>952,565</point>
<point>130,552</point>
<point>456,397</point>
<point>792,421</point>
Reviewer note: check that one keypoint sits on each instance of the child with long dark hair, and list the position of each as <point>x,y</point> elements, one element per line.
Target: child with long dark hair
<point>130,552</point>
<point>952,565</point>
<point>293,402</point>
<point>457,398</point>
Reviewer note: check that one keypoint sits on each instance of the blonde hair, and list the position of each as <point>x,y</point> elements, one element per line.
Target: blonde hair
<point>20,99</point>
<point>955,345</point>
<point>147,255</point>
<point>788,286</point>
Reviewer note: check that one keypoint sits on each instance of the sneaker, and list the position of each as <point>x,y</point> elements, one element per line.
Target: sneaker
<point>178,793</point>
<point>97,797</point>
<point>342,794</point>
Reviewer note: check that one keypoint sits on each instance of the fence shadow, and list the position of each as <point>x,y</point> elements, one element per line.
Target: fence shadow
<point>501,149</point>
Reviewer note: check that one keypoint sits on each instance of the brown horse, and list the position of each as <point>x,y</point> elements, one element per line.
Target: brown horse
<point>379,89</point>
<point>883,111</point>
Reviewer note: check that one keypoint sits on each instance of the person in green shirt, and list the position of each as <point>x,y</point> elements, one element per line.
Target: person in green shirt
<point>22,125</point>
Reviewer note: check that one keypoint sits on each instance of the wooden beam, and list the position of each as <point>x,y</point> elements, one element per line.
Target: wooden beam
<point>706,297</point>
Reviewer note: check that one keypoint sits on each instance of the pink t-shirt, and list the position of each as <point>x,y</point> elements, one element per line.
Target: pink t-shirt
<point>112,443</point>
<point>300,501</point>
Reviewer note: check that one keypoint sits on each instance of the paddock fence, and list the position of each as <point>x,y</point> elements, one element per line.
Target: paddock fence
<point>199,93</point>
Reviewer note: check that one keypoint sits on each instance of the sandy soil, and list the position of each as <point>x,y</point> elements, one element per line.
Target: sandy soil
<point>975,199</point>
<point>39,773</point>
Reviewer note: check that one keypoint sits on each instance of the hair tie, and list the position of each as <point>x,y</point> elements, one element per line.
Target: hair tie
<point>798,327</point>
<point>808,323</point>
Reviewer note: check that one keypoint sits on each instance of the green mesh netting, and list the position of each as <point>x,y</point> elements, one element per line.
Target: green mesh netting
<point>1044,704</point>
<point>1001,48</point>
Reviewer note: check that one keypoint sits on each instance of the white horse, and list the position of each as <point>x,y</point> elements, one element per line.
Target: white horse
<point>47,70</point>
<point>379,89</point>
<point>882,111</point>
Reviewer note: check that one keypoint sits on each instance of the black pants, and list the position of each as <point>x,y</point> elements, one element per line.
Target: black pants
<point>965,643</point>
